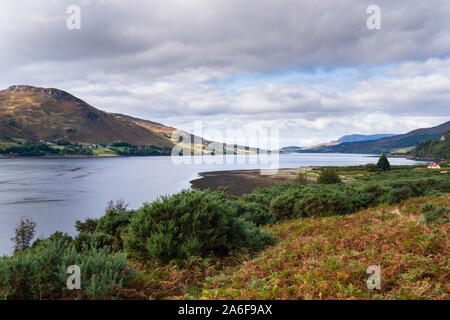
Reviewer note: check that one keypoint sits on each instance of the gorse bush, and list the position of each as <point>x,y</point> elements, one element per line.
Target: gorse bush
<point>194,223</point>
<point>256,213</point>
<point>432,215</point>
<point>328,176</point>
<point>282,206</point>
<point>322,202</point>
<point>297,201</point>
<point>105,231</point>
<point>40,272</point>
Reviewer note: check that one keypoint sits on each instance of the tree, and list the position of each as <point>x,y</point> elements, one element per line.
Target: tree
<point>383,163</point>
<point>24,233</point>
<point>328,176</point>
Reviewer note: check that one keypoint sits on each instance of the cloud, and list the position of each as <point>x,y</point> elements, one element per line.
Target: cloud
<point>311,68</point>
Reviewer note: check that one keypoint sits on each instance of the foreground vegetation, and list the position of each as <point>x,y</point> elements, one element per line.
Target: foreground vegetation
<point>309,240</point>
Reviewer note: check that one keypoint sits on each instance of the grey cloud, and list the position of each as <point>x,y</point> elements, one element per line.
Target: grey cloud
<point>160,59</point>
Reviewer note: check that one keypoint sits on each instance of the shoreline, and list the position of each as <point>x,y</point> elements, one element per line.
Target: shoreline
<point>239,182</point>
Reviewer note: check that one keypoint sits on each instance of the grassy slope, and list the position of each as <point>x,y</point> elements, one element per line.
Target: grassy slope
<point>327,258</point>
<point>51,114</point>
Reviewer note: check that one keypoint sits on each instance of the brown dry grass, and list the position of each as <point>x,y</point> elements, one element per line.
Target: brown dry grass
<point>327,258</point>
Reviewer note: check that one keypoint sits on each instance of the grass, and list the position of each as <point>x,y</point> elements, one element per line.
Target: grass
<point>327,258</point>
<point>7,144</point>
<point>402,151</point>
<point>103,152</point>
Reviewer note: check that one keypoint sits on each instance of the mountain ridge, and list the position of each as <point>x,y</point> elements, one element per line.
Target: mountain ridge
<point>363,137</point>
<point>35,113</point>
<point>382,145</point>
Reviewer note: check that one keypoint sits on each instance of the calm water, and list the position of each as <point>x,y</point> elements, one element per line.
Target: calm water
<point>57,192</point>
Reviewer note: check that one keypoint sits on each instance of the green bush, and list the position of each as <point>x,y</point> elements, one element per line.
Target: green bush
<point>371,167</point>
<point>105,231</point>
<point>322,202</point>
<point>283,205</point>
<point>96,240</point>
<point>191,223</point>
<point>58,235</point>
<point>328,176</point>
<point>256,213</point>
<point>40,272</point>
<point>336,199</point>
<point>432,215</point>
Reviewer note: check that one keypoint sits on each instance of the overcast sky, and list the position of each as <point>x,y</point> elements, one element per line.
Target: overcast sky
<point>310,68</point>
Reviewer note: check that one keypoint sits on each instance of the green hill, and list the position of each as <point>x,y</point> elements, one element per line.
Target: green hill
<point>433,149</point>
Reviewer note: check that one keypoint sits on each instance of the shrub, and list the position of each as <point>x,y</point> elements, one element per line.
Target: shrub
<point>383,163</point>
<point>89,225</point>
<point>403,192</point>
<point>328,176</point>
<point>302,178</point>
<point>370,167</point>
<point>191,223</point>
<point>283,205</point>
<point>96,240</point>
<point>432,215</point>
<point>322,202</point>
<point>58,235</point>
<point>105,231</point>
<point>256,213</point>
<point>40,273</point>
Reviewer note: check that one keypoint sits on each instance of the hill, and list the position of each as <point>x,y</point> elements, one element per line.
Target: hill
<point>34,114</point>
<point>436,150</point>
<point>291,149</point>
<point>362,137</point>
<point>388,144</point>
<point>347,138</point>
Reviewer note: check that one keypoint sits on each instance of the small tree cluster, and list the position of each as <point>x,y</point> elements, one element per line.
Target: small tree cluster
<point>24,233</point>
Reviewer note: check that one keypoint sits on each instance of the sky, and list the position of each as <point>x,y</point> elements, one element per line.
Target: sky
<point>311,69</point>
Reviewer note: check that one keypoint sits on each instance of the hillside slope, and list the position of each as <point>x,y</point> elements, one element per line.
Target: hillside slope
<point>433,149</point>
<point>386,145</point>
<point>363,137</point>
<point>34,113</point>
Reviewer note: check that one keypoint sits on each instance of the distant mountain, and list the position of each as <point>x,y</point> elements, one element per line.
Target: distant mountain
<point>291,149</point>
<point>362,137</point>
<point>34,113</point>
<point>388,144</point>
<point>347,138</point>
